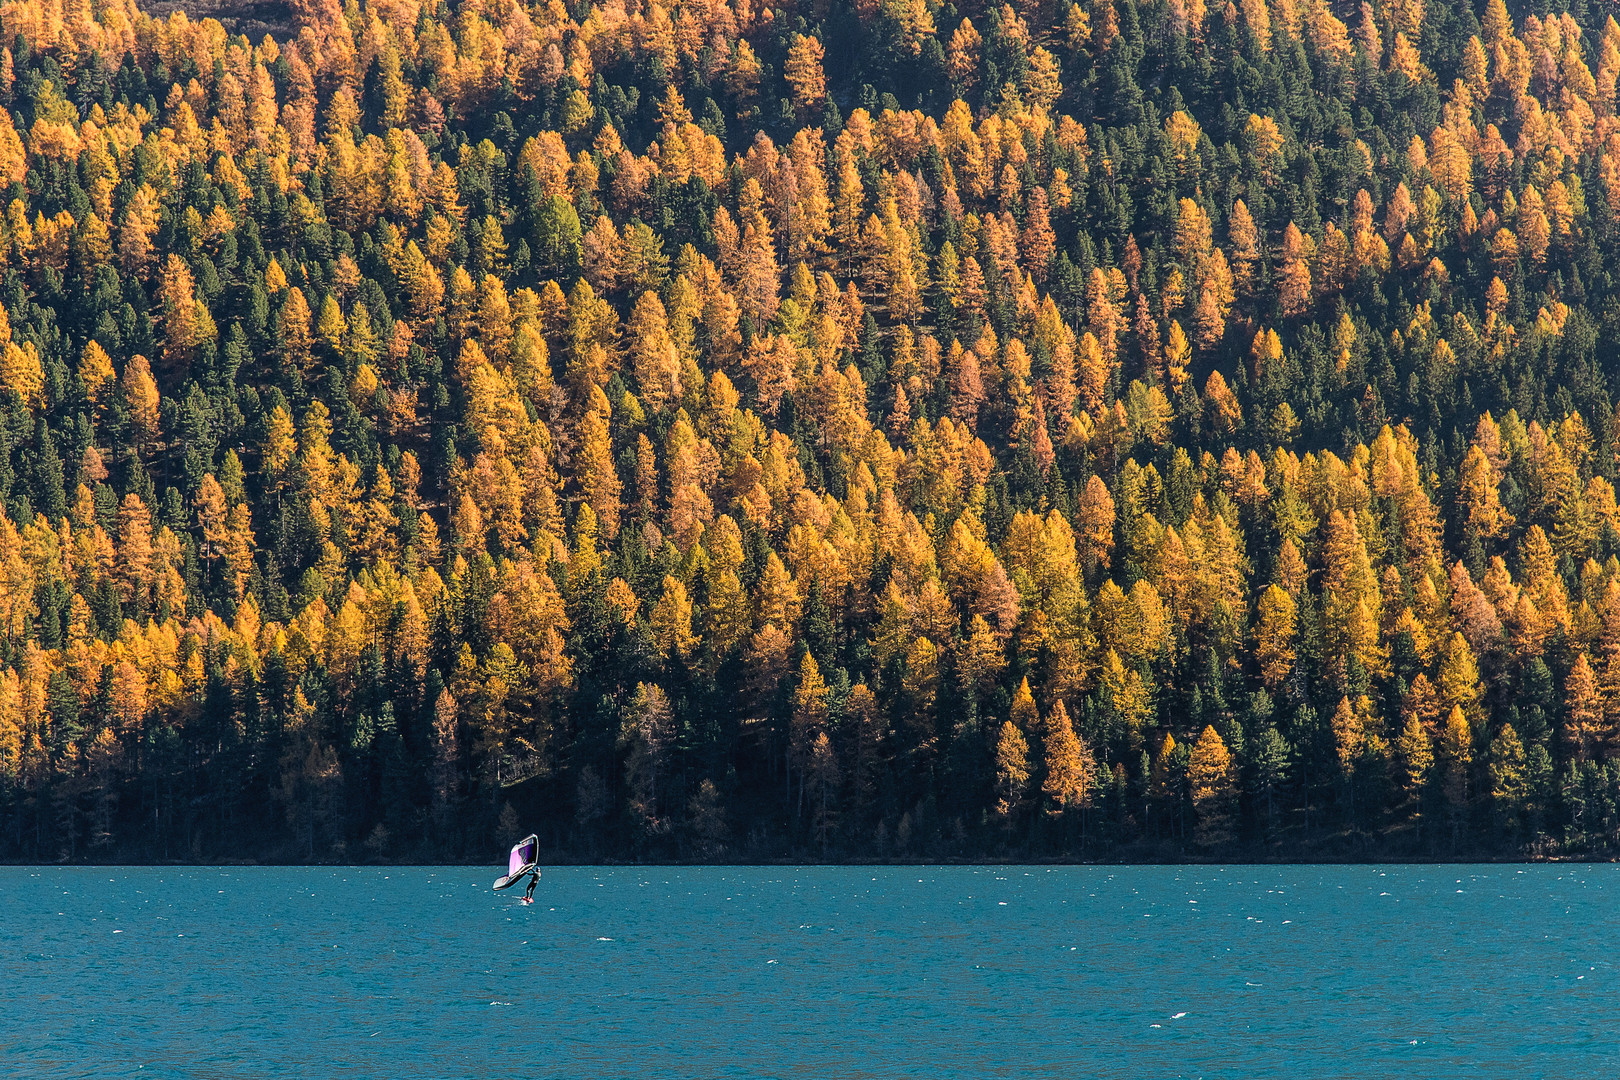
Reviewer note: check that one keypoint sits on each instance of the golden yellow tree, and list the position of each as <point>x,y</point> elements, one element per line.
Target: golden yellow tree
<point>804,74</point>
<point>1011,769</point>
<point>1213,781</point>
<point>1070,766</point>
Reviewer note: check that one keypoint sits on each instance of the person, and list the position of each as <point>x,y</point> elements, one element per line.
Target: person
<point>534,879</point>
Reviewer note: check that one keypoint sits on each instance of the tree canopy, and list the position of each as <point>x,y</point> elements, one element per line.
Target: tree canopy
<point>841,429</point>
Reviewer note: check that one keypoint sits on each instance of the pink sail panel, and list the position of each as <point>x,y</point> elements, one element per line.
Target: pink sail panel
<point>523,855</point>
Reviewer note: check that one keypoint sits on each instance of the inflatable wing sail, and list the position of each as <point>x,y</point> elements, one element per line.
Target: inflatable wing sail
<point>522,856</point>
<point>520,861</point>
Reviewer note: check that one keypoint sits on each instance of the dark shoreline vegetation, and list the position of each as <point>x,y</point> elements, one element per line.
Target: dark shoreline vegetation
<point>1167,855</point>
<point>856,430</point>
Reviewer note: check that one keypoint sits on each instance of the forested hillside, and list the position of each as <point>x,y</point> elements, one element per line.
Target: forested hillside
<point>854,430</point>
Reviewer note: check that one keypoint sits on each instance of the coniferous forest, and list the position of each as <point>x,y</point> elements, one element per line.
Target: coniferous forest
<point>858,429</point>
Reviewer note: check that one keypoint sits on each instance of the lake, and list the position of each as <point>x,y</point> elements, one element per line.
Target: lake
<point>1131,972</point>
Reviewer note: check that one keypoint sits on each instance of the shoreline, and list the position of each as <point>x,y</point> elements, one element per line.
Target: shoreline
<point>1460,861</point>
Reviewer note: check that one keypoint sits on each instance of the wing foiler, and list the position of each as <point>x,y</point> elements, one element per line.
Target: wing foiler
<point>522,859</point>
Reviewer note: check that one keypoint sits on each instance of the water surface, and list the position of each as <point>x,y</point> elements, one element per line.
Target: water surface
<point>1133,972</point>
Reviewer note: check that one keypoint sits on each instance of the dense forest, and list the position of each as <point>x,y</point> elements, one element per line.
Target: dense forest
<point>859,429</point>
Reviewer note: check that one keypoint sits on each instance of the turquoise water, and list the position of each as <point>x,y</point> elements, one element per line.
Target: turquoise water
<point>1134,972</point>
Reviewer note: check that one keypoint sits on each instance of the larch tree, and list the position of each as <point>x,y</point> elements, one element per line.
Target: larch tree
<point>808,727</point>
<point>1070,766</point>
<point>1479,498</point>
<point>671,621</point>
<point>1456,747</point>
<point>653,358</point>
<point>293,326</point>
<point>1415,756</point>
<point>140,394</point>
<point>1274,636</point>
<point>1011,770</point>
<point>804,74</point>
<point>1586,731</point>
<point>1096,525</point>
<point>1210,774</point>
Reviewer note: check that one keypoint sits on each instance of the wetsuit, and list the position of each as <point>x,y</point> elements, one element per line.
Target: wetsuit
<point>534,878</point>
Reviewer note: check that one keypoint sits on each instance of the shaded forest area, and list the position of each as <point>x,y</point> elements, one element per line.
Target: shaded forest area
<point>252,19</point>
<point>859,429</point>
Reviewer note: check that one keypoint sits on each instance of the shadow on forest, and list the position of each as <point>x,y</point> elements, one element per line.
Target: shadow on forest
<point>254,18</point>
